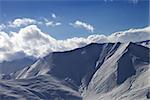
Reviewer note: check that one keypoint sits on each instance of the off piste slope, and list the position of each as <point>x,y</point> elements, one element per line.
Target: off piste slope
<point>108,71</point>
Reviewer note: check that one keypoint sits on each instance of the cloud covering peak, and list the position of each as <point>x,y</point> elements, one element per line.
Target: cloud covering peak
<point>31,41</point>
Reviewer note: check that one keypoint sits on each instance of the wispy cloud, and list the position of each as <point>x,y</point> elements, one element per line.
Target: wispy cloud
<point>52,23</point>
<point>21,22</point>
<point>81,24</point>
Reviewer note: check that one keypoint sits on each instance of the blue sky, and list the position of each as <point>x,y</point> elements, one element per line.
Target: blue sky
<point>106,16</point>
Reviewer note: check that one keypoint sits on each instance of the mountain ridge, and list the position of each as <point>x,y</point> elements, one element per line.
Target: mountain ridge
<point>93,72</point>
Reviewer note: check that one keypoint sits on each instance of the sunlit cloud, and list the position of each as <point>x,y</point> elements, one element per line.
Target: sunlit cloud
<point>31,41</point>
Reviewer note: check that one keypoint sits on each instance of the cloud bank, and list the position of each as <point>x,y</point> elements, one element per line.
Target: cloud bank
<point>31,41</point>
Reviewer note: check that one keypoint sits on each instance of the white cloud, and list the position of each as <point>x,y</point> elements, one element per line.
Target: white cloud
<point>53,15</point>
<point>6,47</point>
<point>32,41</point>
<point>52,23</point>
<point>97,38</point>
<point>19,22</point>
<point>22,22</point>
<point>84,25</point>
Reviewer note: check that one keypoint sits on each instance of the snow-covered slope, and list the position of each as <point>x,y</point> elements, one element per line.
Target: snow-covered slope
<point>75,66</point>
<point>123,76</point>
<point>37,88</point>
<point>108,71</point>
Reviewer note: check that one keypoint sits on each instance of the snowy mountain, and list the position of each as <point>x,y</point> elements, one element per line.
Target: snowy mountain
<point>124,76</point>
<point>108,71</point>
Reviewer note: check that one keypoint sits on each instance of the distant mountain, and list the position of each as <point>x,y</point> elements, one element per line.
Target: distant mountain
<point>7,67</point>
<point>108,71</point>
